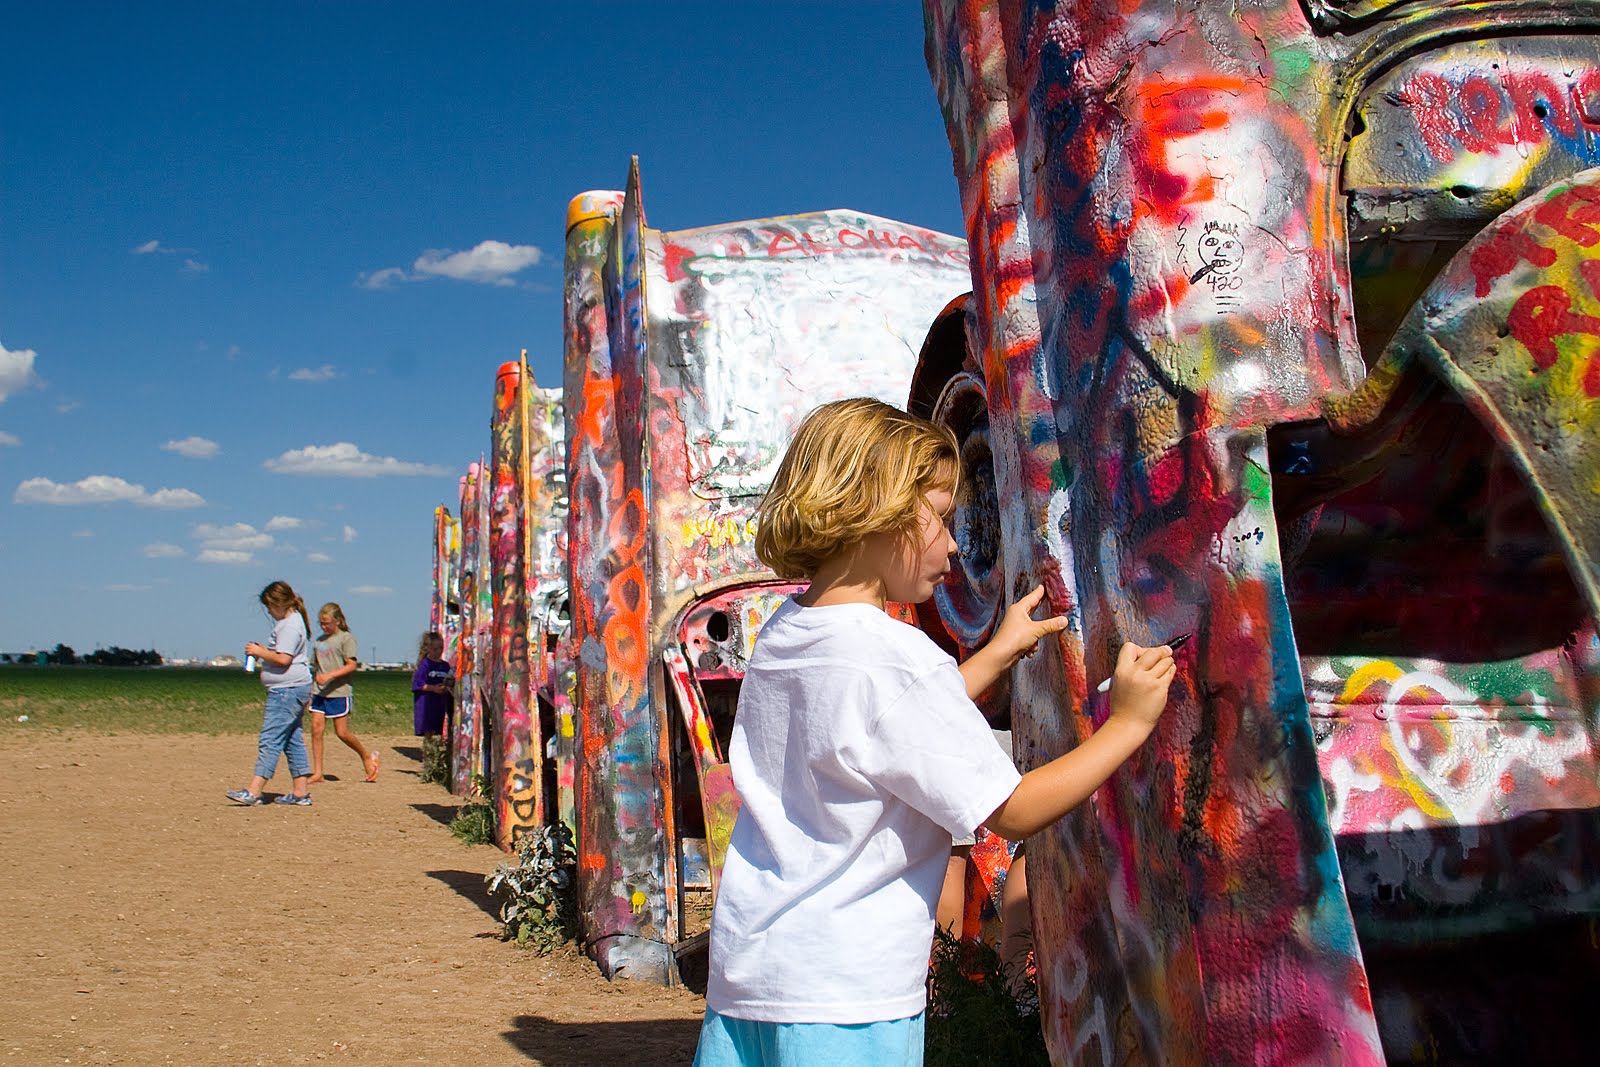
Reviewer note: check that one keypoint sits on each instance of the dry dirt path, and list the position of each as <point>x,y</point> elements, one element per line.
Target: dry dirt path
<point>149,921</point>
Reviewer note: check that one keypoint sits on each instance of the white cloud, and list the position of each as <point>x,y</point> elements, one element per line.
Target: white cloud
<point>193,447</point>
<point>285,522</point>
<point>83,533</point>
<point>67,407</point>
<point>194,266</point>
<point>127,587</point>
<point>349,534</point>
<point>239,536</point>
<point>486,263</point>
<point>489,262</point>
<point>371,590</point>
<point>103,489</point>
<point>9,438</point>
<point>235,544</point>
<point>318,557</point>
<point>162,550</point>
<point>325,373</point>
<point>155,247</point>
<point>227,556</point>
<point>381,279</point>
<point>345,460</point>
<point>16,371</point>
<point>173,498</point>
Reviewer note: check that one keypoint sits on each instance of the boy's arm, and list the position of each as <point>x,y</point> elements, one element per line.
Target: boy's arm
<point>1018,635</point>
<point>1138,697</point>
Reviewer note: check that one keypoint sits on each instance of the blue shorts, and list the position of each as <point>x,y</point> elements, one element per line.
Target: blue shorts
<point>726,1042</point>
<point>333,707</point>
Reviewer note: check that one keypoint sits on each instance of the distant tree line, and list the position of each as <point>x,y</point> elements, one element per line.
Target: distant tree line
<point>115,656</point>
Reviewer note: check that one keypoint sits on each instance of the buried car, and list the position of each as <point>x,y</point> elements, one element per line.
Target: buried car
<point>1285,331</point>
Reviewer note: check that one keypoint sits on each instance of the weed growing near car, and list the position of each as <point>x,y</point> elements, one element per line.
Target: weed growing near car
<point>978,1011</point>
<point>538,909</point>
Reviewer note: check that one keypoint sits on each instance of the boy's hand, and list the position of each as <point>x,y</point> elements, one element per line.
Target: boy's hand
<point>1020,633</point>
<point>1139,685</point>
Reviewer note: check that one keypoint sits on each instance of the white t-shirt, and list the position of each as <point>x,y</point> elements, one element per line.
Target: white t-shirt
<point>288,635</point>
<point>857,757</point>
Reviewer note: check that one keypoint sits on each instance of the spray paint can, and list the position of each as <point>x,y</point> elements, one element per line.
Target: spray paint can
<point>249,663</point>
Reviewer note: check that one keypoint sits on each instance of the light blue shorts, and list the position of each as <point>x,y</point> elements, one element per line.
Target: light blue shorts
<point>726,1042</point>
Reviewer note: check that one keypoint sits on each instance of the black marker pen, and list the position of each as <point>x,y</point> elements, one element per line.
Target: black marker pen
<point>1175,644</point>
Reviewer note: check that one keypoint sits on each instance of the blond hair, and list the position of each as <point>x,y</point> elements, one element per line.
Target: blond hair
<point>279,596</point>
<point>855,467</point>
<point>336,613</point>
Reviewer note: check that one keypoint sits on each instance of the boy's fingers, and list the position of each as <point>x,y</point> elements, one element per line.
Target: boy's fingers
<point>1030,600</point>
<point>1148,657</point>
<point>1054,625</point>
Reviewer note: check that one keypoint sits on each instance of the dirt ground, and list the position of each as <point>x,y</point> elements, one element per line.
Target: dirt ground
<point>147,920</point>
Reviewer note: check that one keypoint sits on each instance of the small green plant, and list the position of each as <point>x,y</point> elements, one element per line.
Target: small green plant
<point>435,760</point>
<point>538,906</point>
<point>979,1012</point>
<point>474,823</point>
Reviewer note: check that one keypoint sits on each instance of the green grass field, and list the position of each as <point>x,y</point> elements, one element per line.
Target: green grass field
<point>166,700</point>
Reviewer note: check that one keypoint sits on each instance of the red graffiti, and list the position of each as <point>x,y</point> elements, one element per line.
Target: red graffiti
<point>1501,255</point>
<point>1540,316</point>
<point>822,244</point>
<point>1482,112</point>
<point>1573,213</point>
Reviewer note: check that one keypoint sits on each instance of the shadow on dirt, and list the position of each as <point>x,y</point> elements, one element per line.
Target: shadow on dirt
<point>439,813</point>
<point>653,1041</point>
<point>410,752</point>
<point>470,885</point>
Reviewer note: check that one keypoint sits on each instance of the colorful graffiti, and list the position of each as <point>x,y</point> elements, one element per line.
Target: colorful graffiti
<point>444,612</point>
<point>544,505</point>
<point>502,590</point>
<point>516,748</point>
<point>466,748</point>
<point>690,357</point>
<point>1195,231</point>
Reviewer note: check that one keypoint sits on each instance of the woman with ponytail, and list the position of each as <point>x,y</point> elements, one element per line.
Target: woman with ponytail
<point>285,673</point>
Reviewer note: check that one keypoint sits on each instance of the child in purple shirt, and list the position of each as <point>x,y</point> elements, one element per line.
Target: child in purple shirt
<point>433,685</point>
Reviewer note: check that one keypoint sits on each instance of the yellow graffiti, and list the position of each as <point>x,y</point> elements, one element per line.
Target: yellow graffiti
<point>638,901</point>
<point>719,533</point>
<point>1365,675</point>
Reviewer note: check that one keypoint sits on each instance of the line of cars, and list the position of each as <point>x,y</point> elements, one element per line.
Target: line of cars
<point>1278,324</point>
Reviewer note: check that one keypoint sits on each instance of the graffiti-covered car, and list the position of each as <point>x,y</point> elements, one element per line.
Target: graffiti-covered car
<point>690,357</point>
<point>1285,332</point>
<point>500,588</point>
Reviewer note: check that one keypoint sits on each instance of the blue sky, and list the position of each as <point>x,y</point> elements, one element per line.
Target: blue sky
<point>258,266</point>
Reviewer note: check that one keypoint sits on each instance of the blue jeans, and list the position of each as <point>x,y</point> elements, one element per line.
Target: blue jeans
<point>280,732</point>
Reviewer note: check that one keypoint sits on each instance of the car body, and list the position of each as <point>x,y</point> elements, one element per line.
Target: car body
<point>691,355</point>
<point>1283,333</point>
